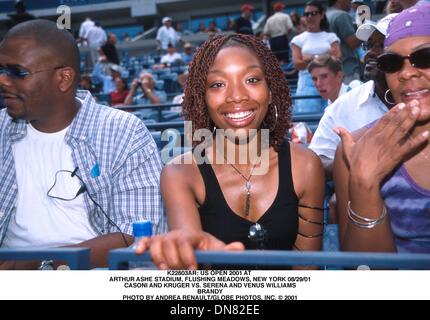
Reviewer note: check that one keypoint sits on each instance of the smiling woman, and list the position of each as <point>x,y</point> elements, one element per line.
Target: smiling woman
<point>236,84</point>
<point>383,179</point>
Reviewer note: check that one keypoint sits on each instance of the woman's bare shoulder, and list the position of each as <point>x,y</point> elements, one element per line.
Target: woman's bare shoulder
<point>180,166</point>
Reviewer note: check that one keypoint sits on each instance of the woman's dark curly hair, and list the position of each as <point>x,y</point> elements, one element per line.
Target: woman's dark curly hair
<point>194,104</point>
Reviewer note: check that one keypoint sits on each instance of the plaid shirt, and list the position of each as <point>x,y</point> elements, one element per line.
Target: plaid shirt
<point>112,142</point>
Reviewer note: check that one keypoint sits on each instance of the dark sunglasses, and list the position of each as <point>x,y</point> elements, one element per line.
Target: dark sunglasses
<point>393,62</point>
<point>311,13</point>
<point>16,72</point>
<point>257,234</point>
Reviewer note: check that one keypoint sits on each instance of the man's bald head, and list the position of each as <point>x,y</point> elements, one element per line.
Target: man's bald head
<point>59,44</point>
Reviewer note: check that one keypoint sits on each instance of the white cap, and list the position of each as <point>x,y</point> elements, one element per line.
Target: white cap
<point>364,31</point>
<point>165,19</point>
<point>115,68</point>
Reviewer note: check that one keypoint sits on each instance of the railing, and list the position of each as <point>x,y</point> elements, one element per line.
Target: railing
<point>119,258</point>
<point>76,258</point>
<point>169,105</point>
<point>159,126</point>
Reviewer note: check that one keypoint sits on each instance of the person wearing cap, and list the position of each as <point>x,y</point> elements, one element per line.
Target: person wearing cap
<point>244,23</point>
<point>171,57</point>
<point>187,55</point>
<point>382,172</point>
<point>277,28</point>
<point>106,73</point>
<point>167,34</point>
<point>359,106</point>
<point>342,25</point>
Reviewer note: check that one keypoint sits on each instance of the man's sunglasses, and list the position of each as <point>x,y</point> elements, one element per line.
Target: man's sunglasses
<point>393,62</point>
<point>311,13</point>
<point>16,72</point>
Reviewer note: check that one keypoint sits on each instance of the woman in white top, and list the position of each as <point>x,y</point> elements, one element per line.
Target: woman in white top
<point>316,40</point>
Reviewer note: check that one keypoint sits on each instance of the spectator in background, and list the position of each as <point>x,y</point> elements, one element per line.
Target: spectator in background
<point>126,37</point>
<point>299,24</point>
<point>260,35</point>
<point>188,53</point>
<point>342,25</point>
<point>180,30</point>
<point>327,75</point>
<point>360,106</point>
<point>353,10</point>
<point>277,28</point>
<point>86,83</point>
<point>96,37</point>
<point>201,28</point>
<point>85,26</point>
<point>120,93</point>
<point>182,79</point>
<point>20,15</point>
<point>148,95</point>
<point>231,26</point>
<point>109,49</point>
<point>213,28</point>
<point>167,34</point>
<point>107,79</point>
<point>171,57</point>
<point>316,40</point>
<point>48,127</point>
<point>244,22</point>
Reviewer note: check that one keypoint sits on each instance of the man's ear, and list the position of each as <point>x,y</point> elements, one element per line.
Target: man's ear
<point>339,76</point>
<point>67,78</point>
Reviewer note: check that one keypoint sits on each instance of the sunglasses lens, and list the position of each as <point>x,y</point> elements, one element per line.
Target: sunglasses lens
<point>311,13</point>
<point>390,62</point>
<point>13,72</point>
<point>421,58</point>
<point>17,72</point>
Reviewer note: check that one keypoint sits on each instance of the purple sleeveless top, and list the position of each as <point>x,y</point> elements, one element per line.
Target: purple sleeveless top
<point>408,207</point>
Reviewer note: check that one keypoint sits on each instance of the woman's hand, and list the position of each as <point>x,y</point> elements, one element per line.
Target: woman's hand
<point>175,249</point>
<point>383,146</point>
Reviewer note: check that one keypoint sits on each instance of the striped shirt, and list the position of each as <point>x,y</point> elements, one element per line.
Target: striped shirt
<point>117,160</point>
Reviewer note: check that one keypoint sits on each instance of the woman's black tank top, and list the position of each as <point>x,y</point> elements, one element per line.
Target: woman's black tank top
<point>280,221</point>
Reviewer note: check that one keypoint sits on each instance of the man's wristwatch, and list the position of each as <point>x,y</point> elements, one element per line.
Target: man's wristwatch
<point>47,265</point>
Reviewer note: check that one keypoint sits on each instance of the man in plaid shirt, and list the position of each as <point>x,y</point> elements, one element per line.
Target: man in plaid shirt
<point>72,172</point>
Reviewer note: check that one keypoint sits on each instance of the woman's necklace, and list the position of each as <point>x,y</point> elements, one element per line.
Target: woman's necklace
<point>248,186</point>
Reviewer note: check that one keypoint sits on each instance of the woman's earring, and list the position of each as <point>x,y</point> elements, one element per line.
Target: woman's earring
<point>388,92</point>
<point>276,117</point>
